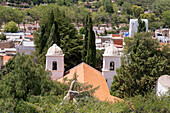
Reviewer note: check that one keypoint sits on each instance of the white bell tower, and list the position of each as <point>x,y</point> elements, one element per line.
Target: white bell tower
<point>111,61</point>
<point>55,61</point>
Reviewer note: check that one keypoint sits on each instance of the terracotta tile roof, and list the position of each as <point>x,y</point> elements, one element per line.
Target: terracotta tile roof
<point>6,58</point>
<point>87,74</point>
<point>115,35</point>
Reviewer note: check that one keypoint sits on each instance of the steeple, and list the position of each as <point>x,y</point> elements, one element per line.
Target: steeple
<point>111,61</point>
<point>55,61</point>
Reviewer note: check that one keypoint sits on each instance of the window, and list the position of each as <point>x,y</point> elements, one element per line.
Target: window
<point>54,65</point>
<point>112,65</point>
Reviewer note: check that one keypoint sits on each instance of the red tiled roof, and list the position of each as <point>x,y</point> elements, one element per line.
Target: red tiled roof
<point>87,74</point>
<point>6,58</point>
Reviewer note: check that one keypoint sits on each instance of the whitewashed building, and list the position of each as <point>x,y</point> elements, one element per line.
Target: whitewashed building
<point>111,61</point>
<point>133,28</point>
<point>55,62</point>
<point>26,47</point>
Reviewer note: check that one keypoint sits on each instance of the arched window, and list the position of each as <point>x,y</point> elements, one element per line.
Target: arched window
<point>54,65</point>
<point>112,65</point>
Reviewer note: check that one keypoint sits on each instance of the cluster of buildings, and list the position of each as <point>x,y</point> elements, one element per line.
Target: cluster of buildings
<point>112,44</point>
<point>15,42</point>
<point>86,73</point>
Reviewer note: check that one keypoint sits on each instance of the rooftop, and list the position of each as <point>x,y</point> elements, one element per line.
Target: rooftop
<point>87,74</point>
<point>27,43</point>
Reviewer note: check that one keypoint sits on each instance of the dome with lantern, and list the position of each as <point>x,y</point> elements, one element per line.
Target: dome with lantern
<point>54,50</point>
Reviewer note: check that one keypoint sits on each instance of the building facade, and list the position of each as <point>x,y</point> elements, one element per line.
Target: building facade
<point>111,61</point>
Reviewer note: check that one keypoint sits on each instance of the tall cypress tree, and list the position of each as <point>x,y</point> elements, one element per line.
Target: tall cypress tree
<point>91,47</point>
<point>141,26</point>
<point>54,36</point>
<point>84,51</point>
<point>41,40</point>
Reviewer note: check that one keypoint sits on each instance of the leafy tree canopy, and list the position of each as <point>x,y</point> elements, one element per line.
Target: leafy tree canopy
<point>11,27</point>
<point>71,42</point>
<point>24,79</point>
<point>142,64</point>
<point>166,18</point>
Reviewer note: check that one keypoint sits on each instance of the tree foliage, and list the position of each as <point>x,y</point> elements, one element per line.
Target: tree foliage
<point>91,46</point>
<point>137,10</point>
<point>166,18</point>
<point>2,36</point>
<point>141,26</point>
<point>25,80</point>
<point>11,27</point>
<point>142,64</point>
<point>159,6</point>
<point>70,41</point>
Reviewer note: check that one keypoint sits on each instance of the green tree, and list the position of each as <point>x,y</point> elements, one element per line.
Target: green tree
<point>137,10</point>
<point>2,36</point>
<point>91,46</point>
<point>7,14</point>
<point>150,16</point>
<point>101,9</point>
<point>85,41</point>
<point>71,42</point>
<point>141,65</point>
<point>11,27</point>
<point>141,26</point>
<point>126,8</point>
<point>54,36</point>
<point>19,16</point>
<point>159,6</point>
<point>154,23</point>
<point>115,20</point>
<point>99,59</point>
<point>25,80</point>
<point>105,32</point>
<point>82,30</point>
<point>166,18</point>
<point>115,8</point>
<point>108,6</point>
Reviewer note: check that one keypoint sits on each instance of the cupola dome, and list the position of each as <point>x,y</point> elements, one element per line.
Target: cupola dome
<point>54,50</point>
<point>111,51</point>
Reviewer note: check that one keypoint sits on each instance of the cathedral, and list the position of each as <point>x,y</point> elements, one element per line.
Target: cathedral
<point>111,61</point>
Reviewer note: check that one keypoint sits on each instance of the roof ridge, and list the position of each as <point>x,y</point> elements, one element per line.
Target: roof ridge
<point>73,67</point>
<point>91,67</point>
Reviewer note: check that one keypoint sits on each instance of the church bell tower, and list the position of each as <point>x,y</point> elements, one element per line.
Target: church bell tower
<point>55,62</point>
<point>111,61</point>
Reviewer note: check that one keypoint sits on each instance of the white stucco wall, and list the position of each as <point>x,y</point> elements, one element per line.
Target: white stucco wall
<point>56,74</point>
<point>106,72</point>
<point>133,28</point>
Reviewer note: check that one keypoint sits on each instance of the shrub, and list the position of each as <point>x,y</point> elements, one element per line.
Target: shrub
<point>11,27</point>
<point>2,36</point>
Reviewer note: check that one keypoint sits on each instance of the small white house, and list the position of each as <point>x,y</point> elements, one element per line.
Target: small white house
<point>133,28</point>
<point>162,85</point>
